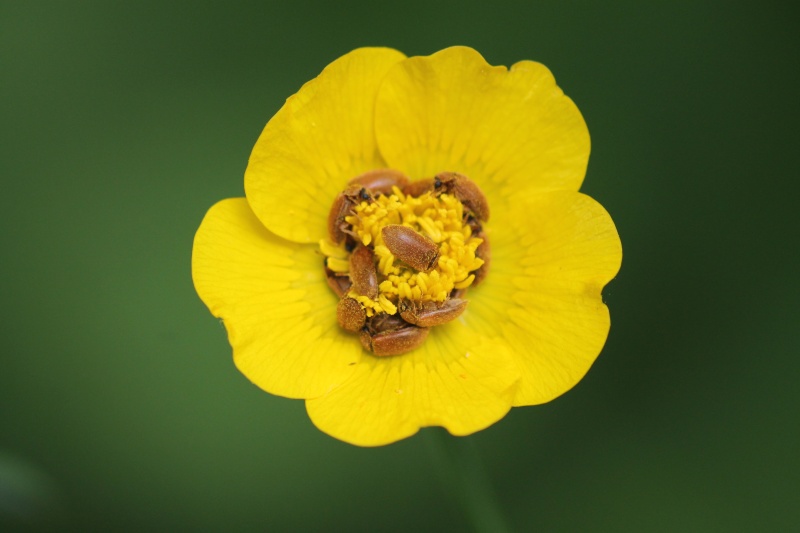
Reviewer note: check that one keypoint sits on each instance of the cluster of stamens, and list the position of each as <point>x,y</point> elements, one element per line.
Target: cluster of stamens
<point>401,255</point>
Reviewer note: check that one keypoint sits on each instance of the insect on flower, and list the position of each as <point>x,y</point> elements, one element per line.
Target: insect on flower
<point>359,263</point>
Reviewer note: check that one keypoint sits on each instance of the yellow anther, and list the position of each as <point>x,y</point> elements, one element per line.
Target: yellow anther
<point>387,305</point>
<point>338,265</point>
<point>466,283</point>
<point>421,277</point>
<point>329,249</point>
<point>430,229</point>
<point>441,218</point>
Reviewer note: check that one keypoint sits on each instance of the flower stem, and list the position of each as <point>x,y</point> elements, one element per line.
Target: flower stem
<point>464,476</point>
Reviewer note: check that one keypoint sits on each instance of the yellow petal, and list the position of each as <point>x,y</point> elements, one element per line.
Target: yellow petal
<point>457,379</point>
<point>273,299</point>
<point>552,254</point>
<point>512,131</point>
<point>320,138</point>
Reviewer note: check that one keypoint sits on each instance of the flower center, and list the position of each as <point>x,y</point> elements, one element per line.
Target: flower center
<point>401,255</point>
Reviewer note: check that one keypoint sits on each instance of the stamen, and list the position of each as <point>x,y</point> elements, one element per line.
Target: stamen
<point>338,265</point>
<point>424,246</point>
<point>440,218</point>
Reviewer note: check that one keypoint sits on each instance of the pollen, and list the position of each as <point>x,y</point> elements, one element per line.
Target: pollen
<point>440,219</point>
<point>427,246</point>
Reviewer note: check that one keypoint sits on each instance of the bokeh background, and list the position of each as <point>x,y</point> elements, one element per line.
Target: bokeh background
<point>120,407</point>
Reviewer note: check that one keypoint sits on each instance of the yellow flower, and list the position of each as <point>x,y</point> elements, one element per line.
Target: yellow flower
<point>532,328</point>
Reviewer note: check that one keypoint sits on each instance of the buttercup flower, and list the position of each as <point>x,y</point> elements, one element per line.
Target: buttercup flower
<point>511,304</point>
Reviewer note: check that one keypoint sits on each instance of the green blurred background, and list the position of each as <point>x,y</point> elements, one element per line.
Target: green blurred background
<point>120,407</point>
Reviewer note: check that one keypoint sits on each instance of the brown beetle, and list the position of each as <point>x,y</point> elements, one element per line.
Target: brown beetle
<point>418,188</point>
<point>383,322</point>
<point>414,249</point>
<point>350,314</point>
<point>393,342</point>
<point>363,273</point>
<point>483,251</point>
<point>343,206</point>
<point>474,225</point>
<point>456,294</point>
<point>428,314</point>
<point>339,283</point>
<point>380,181</point>
<point>465,190</point>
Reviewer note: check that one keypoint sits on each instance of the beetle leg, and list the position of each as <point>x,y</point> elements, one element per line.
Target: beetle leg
<point>384,322</point>
<point>458,293</point>
<point>343,206</point>
<point>473,223</point>
<point>340,284</point>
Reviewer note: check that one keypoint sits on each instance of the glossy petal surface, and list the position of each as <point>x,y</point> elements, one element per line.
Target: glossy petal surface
<point>512,131</point>
<point>274,302</point>
<point>552,253</point>
<point>458,379</point>
<point>320,138</point>
<point>534,326</point>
